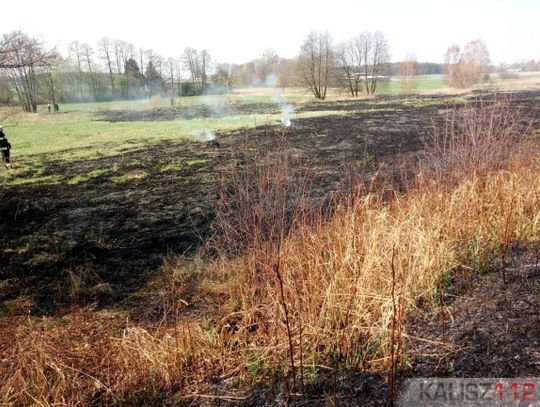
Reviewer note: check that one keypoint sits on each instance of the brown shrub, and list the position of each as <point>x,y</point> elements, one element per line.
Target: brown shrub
<point>482,137</point>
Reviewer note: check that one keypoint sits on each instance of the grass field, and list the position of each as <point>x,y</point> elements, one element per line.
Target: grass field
<point>80,132</point>
<point>423,84</point>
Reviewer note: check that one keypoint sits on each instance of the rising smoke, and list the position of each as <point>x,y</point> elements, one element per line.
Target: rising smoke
<point>203,136</point>
<point>218,107</point>
<point>286,109</point>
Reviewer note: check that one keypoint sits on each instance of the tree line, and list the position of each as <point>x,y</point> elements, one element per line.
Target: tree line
<point>114,69</point>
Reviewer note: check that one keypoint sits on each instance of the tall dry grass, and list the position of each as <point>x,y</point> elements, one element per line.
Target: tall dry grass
<point>299,294</point>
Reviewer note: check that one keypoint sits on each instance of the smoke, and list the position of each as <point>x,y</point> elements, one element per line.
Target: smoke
<point>217,106</point>
<point>196,130</point>
<point>270,81</point>
<point>287,111</point>
<point>207,108</point>
<point>204,136</point>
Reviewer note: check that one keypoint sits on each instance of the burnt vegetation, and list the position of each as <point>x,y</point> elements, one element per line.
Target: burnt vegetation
<point>316,263</point>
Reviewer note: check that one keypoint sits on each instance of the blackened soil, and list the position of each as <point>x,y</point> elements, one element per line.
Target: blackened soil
<point>491,329</point>
<point>332,388</point>
<point>189,112</point>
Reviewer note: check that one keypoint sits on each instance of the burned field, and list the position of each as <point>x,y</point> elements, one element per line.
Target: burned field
<point>137,207</point>
<point>187,112</point>
<point>146,204</point>
<point>99,234</point>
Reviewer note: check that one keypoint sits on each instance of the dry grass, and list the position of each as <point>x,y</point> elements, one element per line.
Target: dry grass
<point>298,294</point>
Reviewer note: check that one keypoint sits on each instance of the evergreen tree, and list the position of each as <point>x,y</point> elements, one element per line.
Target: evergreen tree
<point>153,79</point>
<point>134,79</point>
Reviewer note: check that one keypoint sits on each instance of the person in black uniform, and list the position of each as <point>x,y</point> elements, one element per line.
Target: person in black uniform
<point>4,148</point>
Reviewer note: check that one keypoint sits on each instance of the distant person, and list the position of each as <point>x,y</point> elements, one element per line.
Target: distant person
<point>4,148</point>
<point>56,108</point>
<point>49,107</point>
<point>172,102</point>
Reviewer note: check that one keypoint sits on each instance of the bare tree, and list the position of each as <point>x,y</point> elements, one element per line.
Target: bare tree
<point>476,60</point>
<point>408,69</point>
<point>197,63</point>
<point>122,51</point>
<point>316,62</point>
<point>106,49</point>
<point>349,59</point>
<point>468,67</point>
<point>76,52</point>
<point>266,66</point>
<point>245,74</point>
<point>379,56</point>
<point>361,62</point>
<point>190,58</point>
<point>142,53</point>
<point>119,55</point>
<point>95,85</point>
<point>452,66</point>
<point>52,76</point>
<point>21,58</point>
<point>12,47</point>
<point>172,70</point>
<point>205,64</point>
<point>285,73</point>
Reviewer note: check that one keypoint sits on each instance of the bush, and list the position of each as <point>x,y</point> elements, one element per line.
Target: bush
<point>480,138</point>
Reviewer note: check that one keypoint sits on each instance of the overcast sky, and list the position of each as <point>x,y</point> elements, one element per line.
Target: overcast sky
<point>239,30</point>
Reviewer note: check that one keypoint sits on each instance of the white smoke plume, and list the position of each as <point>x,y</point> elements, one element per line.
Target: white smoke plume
<point>287,111</point>
<point>204,136</point>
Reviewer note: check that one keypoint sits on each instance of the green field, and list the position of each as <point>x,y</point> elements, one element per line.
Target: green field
<point>78,132</point>
<point>420,84</point>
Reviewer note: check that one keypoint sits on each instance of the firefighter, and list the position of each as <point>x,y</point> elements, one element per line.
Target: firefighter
<point>4,148</point>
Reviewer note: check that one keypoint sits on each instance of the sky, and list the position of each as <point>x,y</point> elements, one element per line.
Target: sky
<point>239,30</point>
